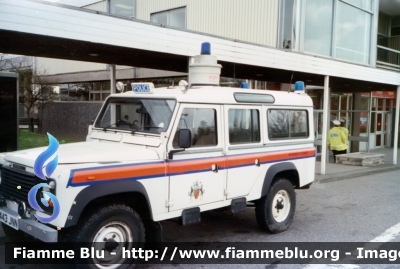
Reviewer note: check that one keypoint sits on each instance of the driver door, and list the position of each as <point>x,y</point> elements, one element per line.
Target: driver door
<point>197,175</point>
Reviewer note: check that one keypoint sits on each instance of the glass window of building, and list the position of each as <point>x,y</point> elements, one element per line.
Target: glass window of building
<point>174,17</point>
<point>318,27</point>
<point>287,26</point>
<point>341,29</point>
<point>353,34</point>
<point>122,7</point>
<point>364,4</point>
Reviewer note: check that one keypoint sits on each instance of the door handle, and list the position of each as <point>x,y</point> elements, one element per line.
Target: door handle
<point>214,168</point>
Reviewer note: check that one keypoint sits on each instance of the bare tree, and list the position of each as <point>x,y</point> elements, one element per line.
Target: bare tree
<point>34,91</point>
<point>5,62</point>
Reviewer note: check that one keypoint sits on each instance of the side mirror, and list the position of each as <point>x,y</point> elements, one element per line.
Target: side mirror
<point>184,141</point>
<point>185,138</point>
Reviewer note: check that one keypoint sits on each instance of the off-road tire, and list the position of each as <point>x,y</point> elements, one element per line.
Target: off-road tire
<point>270,214</point>
<point>117,222</point>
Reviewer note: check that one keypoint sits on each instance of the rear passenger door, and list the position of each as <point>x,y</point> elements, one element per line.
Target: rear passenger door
<point>197,175</point>
<point>244,147</point>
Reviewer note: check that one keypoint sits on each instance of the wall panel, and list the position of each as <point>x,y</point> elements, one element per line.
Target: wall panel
<point>55,66</point>
<point>255,21</point>
<point>70,123</point>
<point>50,66</point>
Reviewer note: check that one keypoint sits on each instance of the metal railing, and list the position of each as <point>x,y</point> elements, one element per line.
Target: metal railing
<point>388,58</point>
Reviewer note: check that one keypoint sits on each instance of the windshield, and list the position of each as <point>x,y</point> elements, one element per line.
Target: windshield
<point>136,114</point>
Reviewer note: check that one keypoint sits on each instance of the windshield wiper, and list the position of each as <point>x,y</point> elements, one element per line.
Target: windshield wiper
<point>134,130</point>
<point>105,128</point>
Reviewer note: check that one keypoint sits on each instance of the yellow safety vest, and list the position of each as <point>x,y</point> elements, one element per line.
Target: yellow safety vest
<point>337,140</point>
<point>344,129</point>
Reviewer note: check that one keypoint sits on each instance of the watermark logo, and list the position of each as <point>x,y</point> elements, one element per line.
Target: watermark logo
<point>49,169</point>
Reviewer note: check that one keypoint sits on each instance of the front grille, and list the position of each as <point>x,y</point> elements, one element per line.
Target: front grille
<point>12,179</point>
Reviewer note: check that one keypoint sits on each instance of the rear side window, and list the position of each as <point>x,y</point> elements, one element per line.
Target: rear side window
<point>287,123</point>
<point>244,126</point>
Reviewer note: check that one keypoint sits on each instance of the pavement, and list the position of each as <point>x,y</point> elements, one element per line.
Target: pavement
<point>335,171</point>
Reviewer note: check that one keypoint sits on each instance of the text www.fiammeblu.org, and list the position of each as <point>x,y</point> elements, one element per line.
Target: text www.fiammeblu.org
<point>230,253</point>
<point>286,253</point>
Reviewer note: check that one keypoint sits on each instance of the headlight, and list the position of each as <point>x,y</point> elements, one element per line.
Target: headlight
<point>44,199</point>
<point>52,185</point>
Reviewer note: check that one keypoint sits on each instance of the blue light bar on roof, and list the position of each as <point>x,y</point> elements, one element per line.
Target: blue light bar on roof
<point>244,85</point>
<point>299,86</point>
<point>205,48</point>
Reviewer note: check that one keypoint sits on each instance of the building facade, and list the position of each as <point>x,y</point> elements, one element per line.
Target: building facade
<point>360,32</point>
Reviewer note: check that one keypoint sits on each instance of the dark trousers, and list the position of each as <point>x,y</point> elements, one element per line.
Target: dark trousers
<point>337,152</point>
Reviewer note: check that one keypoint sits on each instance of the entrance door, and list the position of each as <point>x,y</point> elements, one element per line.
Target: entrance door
<point>382,123</point>
<point>318,119</point>
<point>379,129</point>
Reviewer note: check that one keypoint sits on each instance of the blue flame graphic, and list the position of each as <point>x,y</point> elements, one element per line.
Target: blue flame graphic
<point>44,156</point>
<point>38,170</point>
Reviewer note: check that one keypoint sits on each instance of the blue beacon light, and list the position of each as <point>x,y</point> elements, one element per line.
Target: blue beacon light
<point>205,48</point>
<point>299,87</point>
<point>244,85</point>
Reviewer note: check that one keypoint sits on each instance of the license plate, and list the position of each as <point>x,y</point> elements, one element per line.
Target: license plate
<point>9,220</point>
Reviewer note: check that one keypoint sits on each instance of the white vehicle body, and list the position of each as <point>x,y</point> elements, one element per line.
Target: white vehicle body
<point>241,141</point>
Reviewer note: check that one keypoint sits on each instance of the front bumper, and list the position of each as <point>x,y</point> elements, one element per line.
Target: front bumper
<point>34,228</point>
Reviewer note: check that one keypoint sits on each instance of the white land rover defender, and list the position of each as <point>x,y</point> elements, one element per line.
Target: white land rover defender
<point>160,153</point>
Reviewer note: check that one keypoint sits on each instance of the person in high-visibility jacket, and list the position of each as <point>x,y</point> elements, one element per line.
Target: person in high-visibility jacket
<point>343,127</point>
<point>337,140</point>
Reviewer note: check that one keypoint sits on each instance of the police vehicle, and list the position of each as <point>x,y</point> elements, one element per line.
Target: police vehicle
<point>161,153</point>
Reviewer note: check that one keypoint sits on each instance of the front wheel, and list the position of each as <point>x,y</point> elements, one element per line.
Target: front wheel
<point>275,211</point>
<point>109,230</point>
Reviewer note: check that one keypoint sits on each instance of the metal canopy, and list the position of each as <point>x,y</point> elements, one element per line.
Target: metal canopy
<point>69,49</point>
<point>46,29</point>
<point>78,50</point>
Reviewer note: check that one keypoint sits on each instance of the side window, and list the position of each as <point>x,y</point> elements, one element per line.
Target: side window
<point>202,123</point>
<point>244,126</point>
<point>285,123</point>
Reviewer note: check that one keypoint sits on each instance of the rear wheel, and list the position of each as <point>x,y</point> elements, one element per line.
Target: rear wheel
<point>108,230</point>
<point>275,211</point>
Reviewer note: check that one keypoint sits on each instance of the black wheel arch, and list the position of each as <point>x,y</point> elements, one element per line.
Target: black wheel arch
<point>285,170</point>
<point>130,192</point>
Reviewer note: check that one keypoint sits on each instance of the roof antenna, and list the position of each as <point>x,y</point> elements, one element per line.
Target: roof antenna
<point>290,84</point>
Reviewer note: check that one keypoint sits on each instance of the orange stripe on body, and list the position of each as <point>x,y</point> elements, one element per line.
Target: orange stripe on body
<point>118,173</point>
<point>194,165</point>
<point>268,157</point>
<point>181,167</point>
